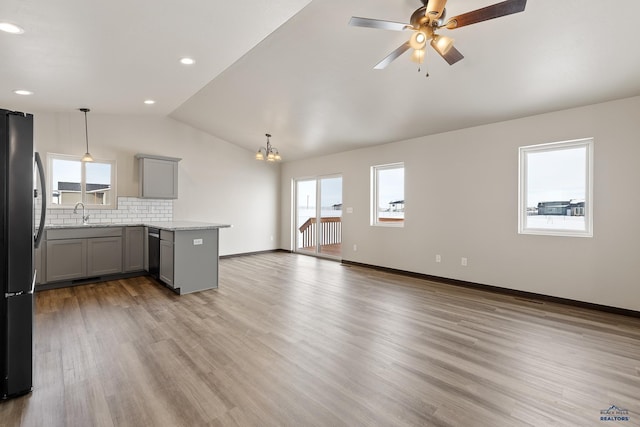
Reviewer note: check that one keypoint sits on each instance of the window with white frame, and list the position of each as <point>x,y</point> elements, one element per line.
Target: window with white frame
<point>387,195</point>
<point>72,180</point>
<point>556,189</point>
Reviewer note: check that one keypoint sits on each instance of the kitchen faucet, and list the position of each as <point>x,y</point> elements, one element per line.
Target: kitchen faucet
<point>85,218</point>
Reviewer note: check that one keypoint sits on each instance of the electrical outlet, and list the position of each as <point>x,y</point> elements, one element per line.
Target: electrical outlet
<point>438,258</point>
<point>463,261</point>
<point>197,242</point>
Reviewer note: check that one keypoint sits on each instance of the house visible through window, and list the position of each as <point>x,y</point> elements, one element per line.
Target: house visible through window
<point>72,181</point>
<point>387,185</point>
<point>556,188</point>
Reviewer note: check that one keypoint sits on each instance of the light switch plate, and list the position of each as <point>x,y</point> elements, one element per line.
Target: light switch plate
<point>197,242</point>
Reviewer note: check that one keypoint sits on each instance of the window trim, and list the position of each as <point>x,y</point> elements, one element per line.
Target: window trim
<point>374,195</point>
<point>587,143</point>
<point>68,157</point>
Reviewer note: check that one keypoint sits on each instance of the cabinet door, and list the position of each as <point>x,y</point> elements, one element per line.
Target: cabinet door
<point>104,256</point>
<point>159,179</point>
<point>66,259</point>
<point>134,249</point>
<point>166,262</point>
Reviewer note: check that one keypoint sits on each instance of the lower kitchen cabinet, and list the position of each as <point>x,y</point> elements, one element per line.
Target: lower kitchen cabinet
<point>66,259</point>
<point>186,257</point>
<point>166,262</point>
<point>133,249</point>
<point>195,260</point>
<point>79,253</point>
<point>104,256</point>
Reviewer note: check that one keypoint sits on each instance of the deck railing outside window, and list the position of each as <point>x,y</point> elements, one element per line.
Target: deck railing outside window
<point>330,231</point>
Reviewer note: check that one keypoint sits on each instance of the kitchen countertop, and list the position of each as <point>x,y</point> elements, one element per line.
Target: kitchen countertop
<point>185,225</point>
<point>164,225</point>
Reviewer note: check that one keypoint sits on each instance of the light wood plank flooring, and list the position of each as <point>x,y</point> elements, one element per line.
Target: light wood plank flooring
<point>292,340</point>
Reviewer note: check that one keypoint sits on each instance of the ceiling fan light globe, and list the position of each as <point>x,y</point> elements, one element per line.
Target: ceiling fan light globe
<point>442,44</point>
<point>418,56</point>
<point>418,40</point>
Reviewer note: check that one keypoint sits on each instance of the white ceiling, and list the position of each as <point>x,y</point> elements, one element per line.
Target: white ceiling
<point>302,74</point>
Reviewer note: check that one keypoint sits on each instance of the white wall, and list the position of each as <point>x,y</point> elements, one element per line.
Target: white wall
<point>461,192</point>
<point>218,182</point>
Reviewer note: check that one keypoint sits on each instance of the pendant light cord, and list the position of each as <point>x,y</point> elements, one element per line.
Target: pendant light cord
<point>86,130</point>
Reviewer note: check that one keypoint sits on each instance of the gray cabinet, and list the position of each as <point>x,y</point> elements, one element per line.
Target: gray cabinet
<point>195,260</point>
<point>104,256</point>
<point>166,270</point>
<point>166,262</point>
<point>78,253</point>
<point>133,249</point>
<point>158,176</point>
<point>66,259</point>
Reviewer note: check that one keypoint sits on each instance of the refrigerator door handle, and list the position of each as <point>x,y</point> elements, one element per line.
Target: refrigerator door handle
<point>43,212</point>
<point>13,294</point>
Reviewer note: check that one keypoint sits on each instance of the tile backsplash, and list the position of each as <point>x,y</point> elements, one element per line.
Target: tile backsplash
<point>130,210</point>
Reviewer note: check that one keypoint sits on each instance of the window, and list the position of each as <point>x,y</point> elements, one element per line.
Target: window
<point>72,181</point>
<point>387,195</point>
<point>555,196</point>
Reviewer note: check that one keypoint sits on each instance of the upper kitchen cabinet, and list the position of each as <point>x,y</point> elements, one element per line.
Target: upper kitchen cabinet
<point>158,176</point>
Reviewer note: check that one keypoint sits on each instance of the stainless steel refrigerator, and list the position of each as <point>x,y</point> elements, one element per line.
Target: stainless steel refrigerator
<point>18,238</point>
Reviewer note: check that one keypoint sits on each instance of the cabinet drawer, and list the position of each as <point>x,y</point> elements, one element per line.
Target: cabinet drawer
<point>83,233</point>
<point>166,235</point>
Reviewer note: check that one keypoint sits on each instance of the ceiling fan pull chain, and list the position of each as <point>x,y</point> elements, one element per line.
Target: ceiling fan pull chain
<point>426,64</point>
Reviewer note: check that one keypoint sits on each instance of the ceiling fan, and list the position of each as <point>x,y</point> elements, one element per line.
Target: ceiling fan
<point>429,18</point>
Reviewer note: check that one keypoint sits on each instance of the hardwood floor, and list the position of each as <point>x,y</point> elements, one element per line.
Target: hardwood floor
<point>291,340</point>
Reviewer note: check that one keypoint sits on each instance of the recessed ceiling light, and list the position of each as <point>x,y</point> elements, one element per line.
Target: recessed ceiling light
<point>22,92</point>
<point>10,28</point>
<point>187,61</point>
<point>149,101</point>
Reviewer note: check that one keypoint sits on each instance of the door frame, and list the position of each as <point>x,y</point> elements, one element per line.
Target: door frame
<point>318,206</point>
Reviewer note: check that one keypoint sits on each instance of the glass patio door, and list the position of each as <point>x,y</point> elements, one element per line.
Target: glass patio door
<point>318,227</point>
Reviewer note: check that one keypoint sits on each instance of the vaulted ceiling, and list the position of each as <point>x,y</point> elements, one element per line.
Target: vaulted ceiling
<point>295,69</point>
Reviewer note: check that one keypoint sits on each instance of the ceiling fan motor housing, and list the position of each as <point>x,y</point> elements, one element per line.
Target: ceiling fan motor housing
<point>420,19</point>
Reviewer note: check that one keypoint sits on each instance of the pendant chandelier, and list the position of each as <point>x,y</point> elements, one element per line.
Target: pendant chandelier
<point>268,153</point>
<point>87,156</point>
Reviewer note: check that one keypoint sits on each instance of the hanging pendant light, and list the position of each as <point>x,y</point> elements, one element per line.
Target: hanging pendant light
<point>268,153</point>
<point>87,156</point>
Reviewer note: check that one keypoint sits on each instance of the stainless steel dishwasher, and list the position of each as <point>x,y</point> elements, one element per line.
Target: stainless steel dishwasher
<point>154,252</point>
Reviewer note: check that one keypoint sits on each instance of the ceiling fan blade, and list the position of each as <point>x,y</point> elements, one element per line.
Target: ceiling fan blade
<point>452,56</point>
<point>392,56</point>
<point>377,23</point>
<point>435,8</point>
<point>497,10</point>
